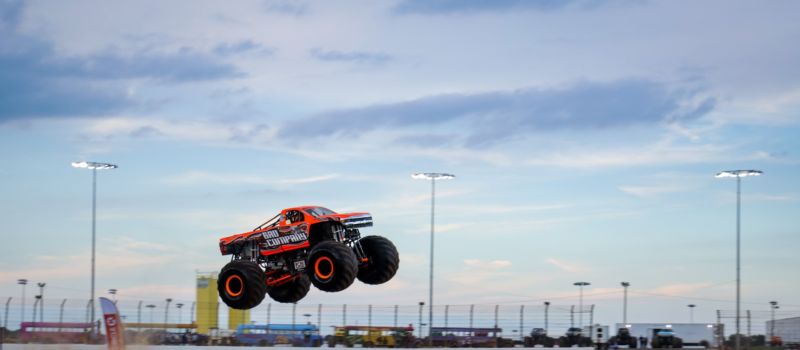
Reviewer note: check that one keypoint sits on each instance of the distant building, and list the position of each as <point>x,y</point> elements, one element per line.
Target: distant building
<point>207,303</point>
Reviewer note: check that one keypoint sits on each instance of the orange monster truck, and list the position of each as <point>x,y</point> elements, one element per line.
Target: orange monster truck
<point>299,247</point>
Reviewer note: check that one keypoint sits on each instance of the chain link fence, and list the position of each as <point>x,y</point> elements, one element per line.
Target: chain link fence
<point>516,321</point>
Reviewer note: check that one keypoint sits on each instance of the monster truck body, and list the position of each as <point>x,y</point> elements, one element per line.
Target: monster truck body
<point>302,246</point>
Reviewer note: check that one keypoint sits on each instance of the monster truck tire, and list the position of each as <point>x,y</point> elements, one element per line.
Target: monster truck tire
<point>291,292</point>
<point>241,284</point>
<point>383,260</point>
<point>332,266</point>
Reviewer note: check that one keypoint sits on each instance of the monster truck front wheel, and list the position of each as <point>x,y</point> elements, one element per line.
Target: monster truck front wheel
<point>382,260</point>
<point>291,292</point>
<point>332,266</point>
<point>241,284</point>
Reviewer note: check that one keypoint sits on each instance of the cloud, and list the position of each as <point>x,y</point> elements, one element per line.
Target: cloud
<point>566,267</point>
<point>36,81</point>
<point>350,56</point>
<point>244,46</point>
<point>478,272</point>
<point>490,117</point>
<point>446,7</point>
<point>650,191</point>
<point>287,7</point>
<point>193,178</point>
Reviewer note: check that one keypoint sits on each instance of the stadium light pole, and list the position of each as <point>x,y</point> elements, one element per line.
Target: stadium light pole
<point>23,282</point>
<point>772,306</point>
<point>151,307</point>
<point>166,313</point>
<point>691,312</point>
<point>580,302</point>
<point>180,312</point>
<point>41,305</point>
<point>433,177</point>
<point>738,174</point>
<point>625,286</point>
<point>94,167</point>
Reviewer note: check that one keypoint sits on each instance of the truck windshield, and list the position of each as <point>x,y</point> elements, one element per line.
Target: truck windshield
<point>319,211</point>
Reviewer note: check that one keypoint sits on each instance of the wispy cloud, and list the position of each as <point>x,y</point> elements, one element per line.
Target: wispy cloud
<point>38,81</point>
<point>197,177</point>
<point>565,266</point>
<point>487,118</point>
<point>287,7</point>
<point>650,191</point>
<point>447,7</point>
<point>350,56</point>
<point>241,47</point>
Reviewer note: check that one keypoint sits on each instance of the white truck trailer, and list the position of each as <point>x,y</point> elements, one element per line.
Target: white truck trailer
<point>788,329</point>
<point>701,335</point>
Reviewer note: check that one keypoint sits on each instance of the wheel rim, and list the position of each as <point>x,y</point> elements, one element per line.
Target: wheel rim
<point>234,286</point>
<point>323,268</point>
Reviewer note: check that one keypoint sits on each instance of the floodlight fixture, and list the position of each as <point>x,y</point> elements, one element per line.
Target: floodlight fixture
<point>739,173</point>
<point>94,165</point>
<point>432,176</point>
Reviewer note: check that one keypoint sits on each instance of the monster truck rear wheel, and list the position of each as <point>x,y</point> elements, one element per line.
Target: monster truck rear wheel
<point>382,260</point>
<point>332,266</point>
<point>241,284</point>
<point>291,292</point>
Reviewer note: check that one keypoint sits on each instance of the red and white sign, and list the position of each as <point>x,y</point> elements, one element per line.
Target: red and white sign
<point>114,331</point>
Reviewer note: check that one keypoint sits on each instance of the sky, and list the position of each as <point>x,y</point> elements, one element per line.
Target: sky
<point>584,136</point>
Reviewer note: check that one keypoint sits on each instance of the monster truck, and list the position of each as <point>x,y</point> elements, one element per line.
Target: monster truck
<point>574,337</point>
<point>624,338</point>
<point>539,337</point>
<point>302,246</point>
<point>665,338</point>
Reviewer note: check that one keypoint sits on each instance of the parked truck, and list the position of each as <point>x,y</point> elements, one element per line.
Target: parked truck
<point>373,336</point>
<point>705,335</point>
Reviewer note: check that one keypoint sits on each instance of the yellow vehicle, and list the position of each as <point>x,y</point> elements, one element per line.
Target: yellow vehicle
<point>375,336</point>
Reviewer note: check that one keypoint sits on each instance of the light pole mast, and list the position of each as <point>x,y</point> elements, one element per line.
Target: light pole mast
<point>772,306</point>
<point>625,286</point>
<point>94,167</point>
<point>23,282</point>
<point>580,307</point>
<point>691,312</point>
<point>738,174</point>
<point>433,177</point>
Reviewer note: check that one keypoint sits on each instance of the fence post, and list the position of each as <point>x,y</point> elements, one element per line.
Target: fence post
<point>471,314</point>
<point>369,318</point>
<point>446,315</point>
<point>395,316</point>
<point>269,316</point>
<point>319,319</point>
<point>344,315</point>
<point>5,325</point>
<point>294,314</point>
<point>496,311</point>
<point>720,333</point>
<point>572,316</point>
<point>521,320</point>
<point>61,314</point>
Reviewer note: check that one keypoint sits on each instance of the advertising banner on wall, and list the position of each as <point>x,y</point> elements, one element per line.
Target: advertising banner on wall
<point>114,331</point>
